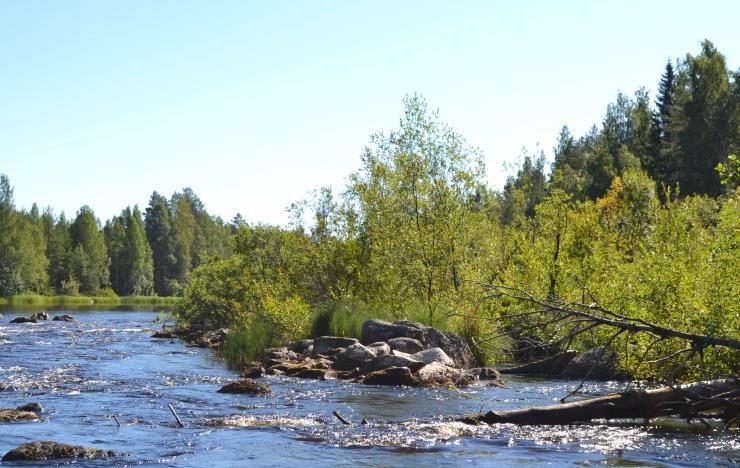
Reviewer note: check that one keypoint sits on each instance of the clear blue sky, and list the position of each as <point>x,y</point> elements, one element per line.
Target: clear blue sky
<point>253,104</point>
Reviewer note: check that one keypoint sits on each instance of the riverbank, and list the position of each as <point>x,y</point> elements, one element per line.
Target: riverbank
<point>37,300</point>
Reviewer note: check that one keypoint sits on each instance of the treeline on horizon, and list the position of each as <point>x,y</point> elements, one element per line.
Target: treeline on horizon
<point>640,215</point>
<point>130,255</point>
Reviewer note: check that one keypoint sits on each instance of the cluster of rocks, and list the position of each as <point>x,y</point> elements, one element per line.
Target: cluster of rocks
<point>594,364</point>
<point>41,316</point>
<point>400,353</point>
<point>196,336</point>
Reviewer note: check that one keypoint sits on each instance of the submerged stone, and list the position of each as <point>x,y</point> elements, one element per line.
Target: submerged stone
<point>390,376</point>
<point>17,415</point>
<point>63,318</point>
<point>49,450</point>
<point>246,386</point>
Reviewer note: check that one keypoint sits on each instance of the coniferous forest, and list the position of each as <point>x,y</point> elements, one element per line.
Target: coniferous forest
<point>639,215</point>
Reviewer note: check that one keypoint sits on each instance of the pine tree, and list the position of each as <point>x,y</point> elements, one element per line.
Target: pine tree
<point>158,224</point>
<point>141,271</point>
<point>89,255</point>
<point>705,138</point>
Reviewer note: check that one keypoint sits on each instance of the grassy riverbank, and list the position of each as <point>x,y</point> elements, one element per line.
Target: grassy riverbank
<point>37,300</point>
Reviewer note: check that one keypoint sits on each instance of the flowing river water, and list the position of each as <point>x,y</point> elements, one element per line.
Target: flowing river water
<point>105,363</point>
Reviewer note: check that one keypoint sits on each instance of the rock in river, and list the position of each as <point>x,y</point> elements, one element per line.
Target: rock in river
<point>19,414</point>
<point>40,316</point>
<point>63,318</point>
<point>23,320</point>
<point>246,386</point>
<point>390,376</point>
<point>48,450</point>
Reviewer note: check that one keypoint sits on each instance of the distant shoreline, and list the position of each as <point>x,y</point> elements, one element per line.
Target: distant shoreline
<point>36,300</point>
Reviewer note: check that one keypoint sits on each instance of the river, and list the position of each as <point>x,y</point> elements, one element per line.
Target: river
<point>105,363</point>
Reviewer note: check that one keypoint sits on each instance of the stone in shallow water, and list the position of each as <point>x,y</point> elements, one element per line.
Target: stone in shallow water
<point>49,450</point>
<point>390,376</point>
<point>246,386</point>
<point>63,318</point>
<point>17,415</point>
<point>40,316</point>
<point>160,334</point>
<point>23,320</point>
<point>438,374</point>
<point>32,407</point>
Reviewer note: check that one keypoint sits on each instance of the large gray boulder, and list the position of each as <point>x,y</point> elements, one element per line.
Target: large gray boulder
<point>454,346</point>
<point>323,344</point>
<point>48,450</point>
<point>405,344</point>
<point>431,355</point>
<point>354,356</point>
<point>391,360</point>
<point>594,364</point>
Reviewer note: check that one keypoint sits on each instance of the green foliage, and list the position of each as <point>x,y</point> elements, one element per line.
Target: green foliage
<point>90,260</point>
<point>729,174</point>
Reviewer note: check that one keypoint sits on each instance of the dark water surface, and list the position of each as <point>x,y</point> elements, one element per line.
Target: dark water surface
<point>105,363</point>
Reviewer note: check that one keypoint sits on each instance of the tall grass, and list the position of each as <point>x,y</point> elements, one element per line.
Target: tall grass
<point>36,300</point>
<point>246,343</point>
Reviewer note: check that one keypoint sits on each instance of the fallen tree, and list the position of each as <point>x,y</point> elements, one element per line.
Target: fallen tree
<point>568,320</point>
<point>688,401</point>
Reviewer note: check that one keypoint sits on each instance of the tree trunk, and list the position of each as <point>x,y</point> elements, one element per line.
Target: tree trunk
<point>684,400</point>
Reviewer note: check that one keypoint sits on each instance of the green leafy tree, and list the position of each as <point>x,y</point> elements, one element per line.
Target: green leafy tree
<point>416,195</point>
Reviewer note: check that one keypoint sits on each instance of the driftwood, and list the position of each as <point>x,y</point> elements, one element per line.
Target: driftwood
<point>179,421</point>
<point>339,417</point>
<point>688,401</point>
